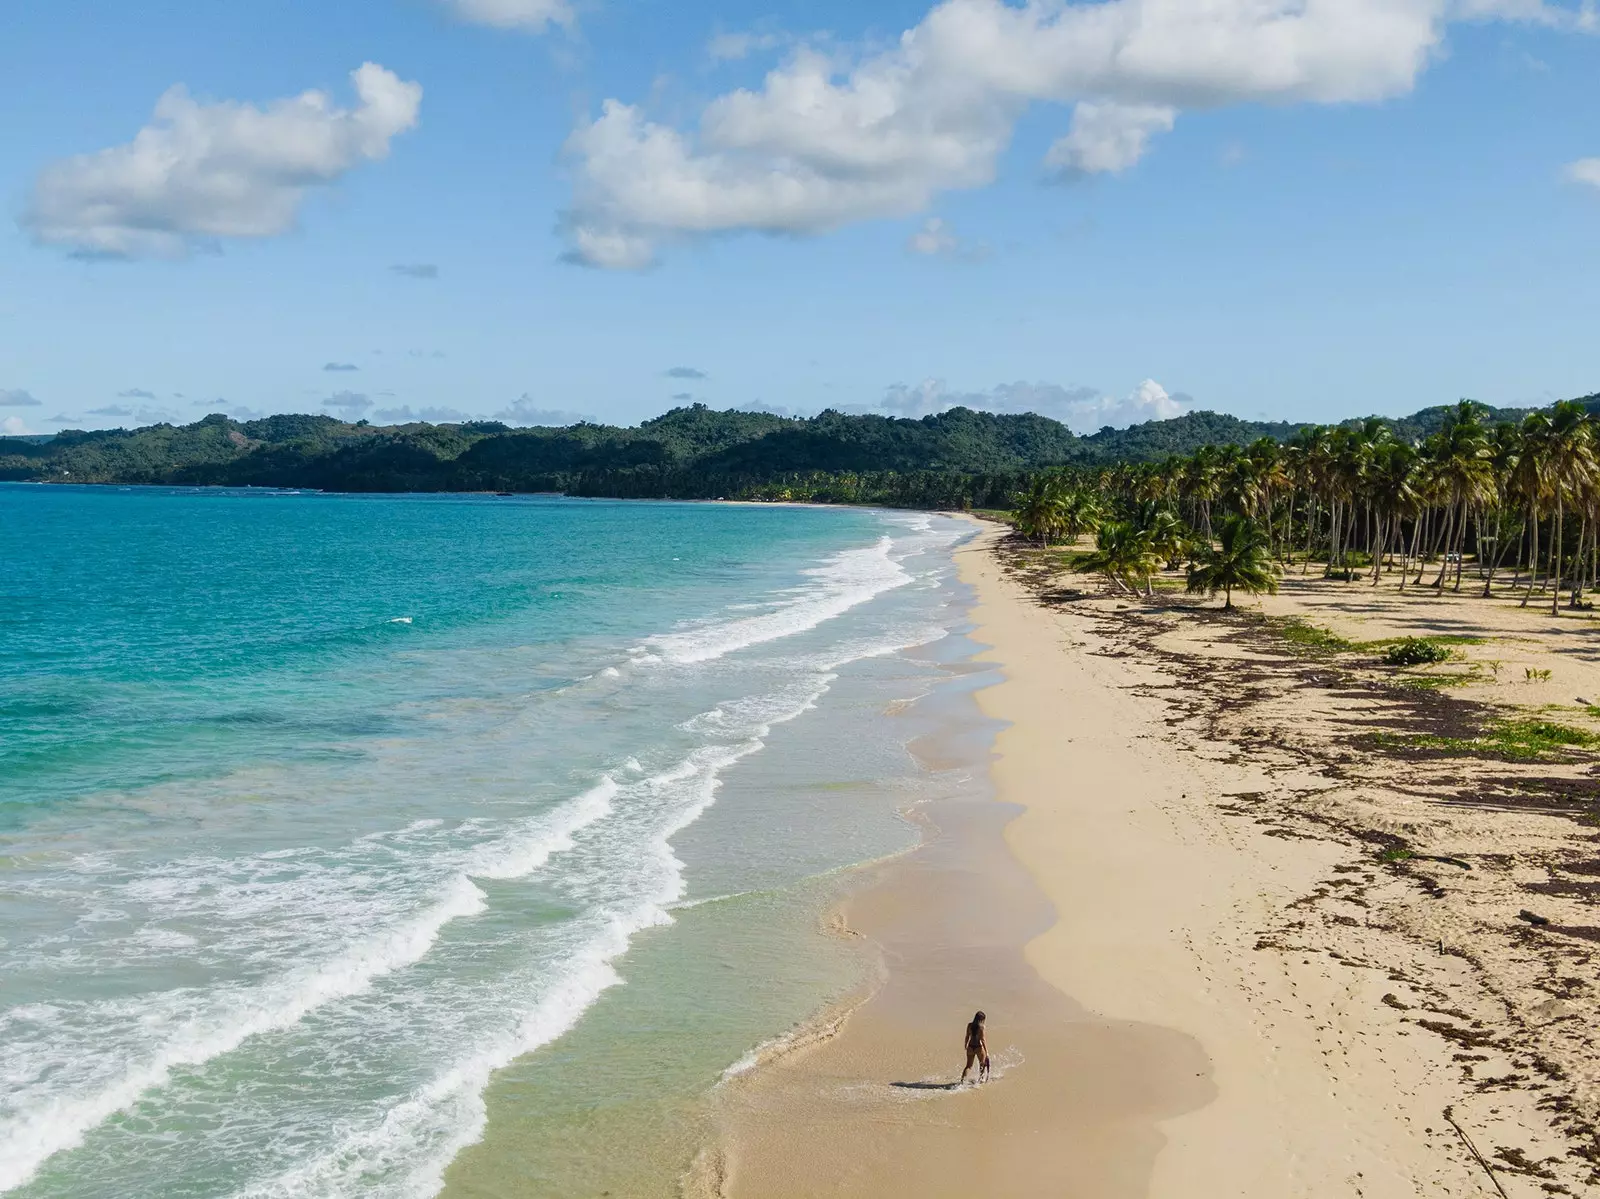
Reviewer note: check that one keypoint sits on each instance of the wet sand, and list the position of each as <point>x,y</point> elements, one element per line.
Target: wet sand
<point>870,1107</point>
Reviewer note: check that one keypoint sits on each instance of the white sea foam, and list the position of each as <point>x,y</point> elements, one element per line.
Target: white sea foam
<point>40,1117</point>
<point>406,1150</point>
<point>846,580</point>
<point>191,1032</point>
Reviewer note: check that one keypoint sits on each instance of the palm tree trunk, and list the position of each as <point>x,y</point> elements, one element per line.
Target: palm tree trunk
<point>1555,559</point>
<point>1461,545</point>
<point>1533,553</point>
<point>1577,562</point>
<point>1500,549</point>
<point>1311,525</point>
<point>1422,540</point>
<point>1444,560</point>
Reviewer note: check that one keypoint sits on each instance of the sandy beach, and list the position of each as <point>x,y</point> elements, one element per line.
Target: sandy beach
<point>1238,930</point>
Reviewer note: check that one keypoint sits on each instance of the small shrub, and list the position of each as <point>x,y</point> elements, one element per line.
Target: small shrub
<point>1415,651</point>
<point>1536,676</point>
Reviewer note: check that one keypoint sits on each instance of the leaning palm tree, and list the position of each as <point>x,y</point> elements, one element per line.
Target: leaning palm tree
<point>1123,555</point>
<point>1240,560</point>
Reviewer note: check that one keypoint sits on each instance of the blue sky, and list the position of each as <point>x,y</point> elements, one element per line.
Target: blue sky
<point>1103,211</point>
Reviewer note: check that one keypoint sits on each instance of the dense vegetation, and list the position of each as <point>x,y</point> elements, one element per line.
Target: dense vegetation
<point>1515,499</point>
<point>957,458</point>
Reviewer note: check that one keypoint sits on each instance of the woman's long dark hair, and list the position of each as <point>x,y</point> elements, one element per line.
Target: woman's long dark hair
<point>978,1019</point>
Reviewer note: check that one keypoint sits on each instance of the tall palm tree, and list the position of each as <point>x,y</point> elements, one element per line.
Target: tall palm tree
<point>1241,560</point>
<point>1123,555</point>
<point>1570,461</point>
<point>1392,487</point>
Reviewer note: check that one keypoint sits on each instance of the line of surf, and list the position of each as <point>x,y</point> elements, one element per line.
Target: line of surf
<point>846,580</point>
<point>56,1122</point>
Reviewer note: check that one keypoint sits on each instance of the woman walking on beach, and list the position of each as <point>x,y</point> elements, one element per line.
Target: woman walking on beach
<point>977,1049</point>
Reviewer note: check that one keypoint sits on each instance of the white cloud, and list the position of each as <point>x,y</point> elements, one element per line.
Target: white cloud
<point>226,170</point>
<point>136,393</point>
<point>13,426</point>
<point>347,405</point>
<point>535,16</point>
<point>1585,170</point>
<point>1108,138</point>
<point>686,372</point>
<point>933,238</point>
<point>17,399</point>
<point>405,416</point>
<point>730,47</point>
<point>524,411</point>
<point>1148,401</point>
<point>1082,409</point>
<point>825,142</point>
<point>134,416</point>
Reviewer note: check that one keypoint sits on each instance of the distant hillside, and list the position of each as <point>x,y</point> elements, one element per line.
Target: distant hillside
<point>689,452</point>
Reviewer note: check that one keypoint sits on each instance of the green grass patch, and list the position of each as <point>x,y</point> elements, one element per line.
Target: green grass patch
<point>1395,853</point>
<point>1516,740</point>
<point>1437,682</point>
<point>1308,638</point>
<point>1437,639</point>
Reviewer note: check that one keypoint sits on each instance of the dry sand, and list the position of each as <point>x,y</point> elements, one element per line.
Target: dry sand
<point>1237,935</point>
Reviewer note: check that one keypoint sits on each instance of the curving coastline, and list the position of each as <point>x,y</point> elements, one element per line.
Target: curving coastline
<point>1151,909</point>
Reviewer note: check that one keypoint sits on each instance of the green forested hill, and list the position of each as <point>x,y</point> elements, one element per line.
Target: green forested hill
<point>689,452</point>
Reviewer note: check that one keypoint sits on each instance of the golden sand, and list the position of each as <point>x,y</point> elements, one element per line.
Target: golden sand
<point>1231,941</point>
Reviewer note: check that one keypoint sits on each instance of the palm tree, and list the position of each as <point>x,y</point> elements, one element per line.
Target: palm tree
<point>1462,470</point>
<point>1242,559</point>
<point>1571,464</point>
<point>1039,514</point>
<point>1393,494</point>
<point>1122,554</point>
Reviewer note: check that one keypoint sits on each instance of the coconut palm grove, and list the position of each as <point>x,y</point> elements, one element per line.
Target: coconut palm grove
<point>1477,504</point>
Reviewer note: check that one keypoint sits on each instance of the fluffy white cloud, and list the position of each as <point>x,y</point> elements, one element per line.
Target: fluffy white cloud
<point>825,142</point>
<point>1082,409</point>
<point>1108,138</point>
<point>13,426</point>
<point>1148,401</point>
<point>1585,170</point>
<point>204,171</point>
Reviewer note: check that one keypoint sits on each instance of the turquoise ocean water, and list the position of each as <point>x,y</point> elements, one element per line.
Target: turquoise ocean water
<point>329,825</point>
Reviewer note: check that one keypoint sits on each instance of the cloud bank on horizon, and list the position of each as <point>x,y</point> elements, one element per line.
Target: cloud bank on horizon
<point>1082,409</point>
<point>830,139</point>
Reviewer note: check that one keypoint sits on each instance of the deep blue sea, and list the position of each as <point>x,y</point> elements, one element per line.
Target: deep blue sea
<point>329,825</point>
